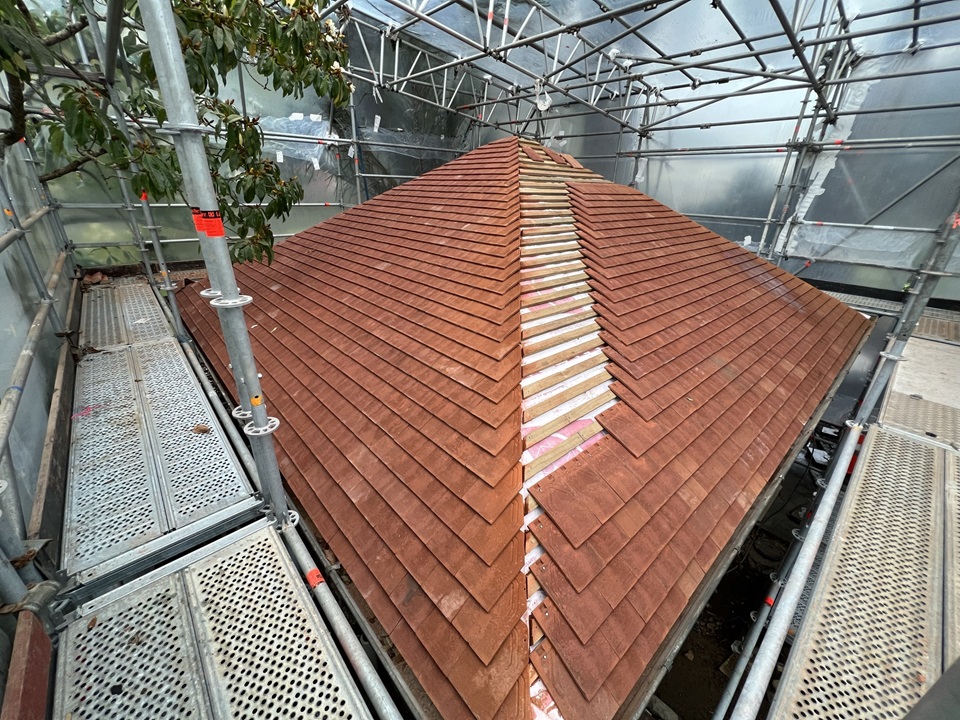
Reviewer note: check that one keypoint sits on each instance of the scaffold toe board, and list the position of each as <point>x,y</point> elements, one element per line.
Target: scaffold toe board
<point>227,631</point>
<point>150,469</point>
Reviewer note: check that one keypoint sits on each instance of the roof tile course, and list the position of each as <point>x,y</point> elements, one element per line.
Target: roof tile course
<point>717,372</point>
<point>396,374</point>
<point>391,345</point>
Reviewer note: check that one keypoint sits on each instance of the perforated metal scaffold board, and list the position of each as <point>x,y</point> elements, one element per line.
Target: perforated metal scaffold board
<point>121,314</point>
<point>868,304</point>
<point>882,622</point>
<point>150,470</point>
<point>227,631</point>
<point>814,576</point>
<point>924,393</point>
<point>935,323</point>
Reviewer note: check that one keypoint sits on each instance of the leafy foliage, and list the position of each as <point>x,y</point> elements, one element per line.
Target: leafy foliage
<point>285,45</point>
<point>246,175</point>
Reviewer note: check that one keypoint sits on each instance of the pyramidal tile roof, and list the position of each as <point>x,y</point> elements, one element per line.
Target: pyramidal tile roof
<point>528,408</point>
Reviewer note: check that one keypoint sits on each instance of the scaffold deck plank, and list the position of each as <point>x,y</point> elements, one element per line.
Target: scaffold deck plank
<point>149,466</point>
<point>872,642</point>
<point>228,631</point>
<point>924,393</point>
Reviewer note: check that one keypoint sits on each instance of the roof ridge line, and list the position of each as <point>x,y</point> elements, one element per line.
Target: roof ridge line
<point>567,382</point>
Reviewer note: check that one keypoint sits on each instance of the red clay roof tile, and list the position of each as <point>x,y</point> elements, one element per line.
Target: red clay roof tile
<point>396,375</point>
<point>564,690</point>
<point>708,366</point>
<point>390,341</point>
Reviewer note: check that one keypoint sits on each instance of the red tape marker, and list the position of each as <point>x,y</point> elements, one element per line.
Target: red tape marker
<point>198,220</point>
<point>314,578</point>
<point>213,223</point>
<point>208,222</point>
<point>769,601</point>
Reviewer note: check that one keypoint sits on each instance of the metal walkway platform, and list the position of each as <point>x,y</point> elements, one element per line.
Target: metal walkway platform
<point>187,602</point>
<point>150,470</point>
<point>868,304</point>
<point>935,323</point>
<point>228,631</point>
<point>884,620</point>
<point>924,394</point>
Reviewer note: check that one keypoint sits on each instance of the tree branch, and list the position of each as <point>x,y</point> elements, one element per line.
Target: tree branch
<point>66,33</point>
<point>30,111</point>
<point>71,166</point>
<point>28,16</point>
<point>18,118</point>
<point>94,80</point>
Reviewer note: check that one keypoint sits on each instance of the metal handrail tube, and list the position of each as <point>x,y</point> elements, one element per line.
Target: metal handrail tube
<point>180,102</point>
<point>377,693</point>
<point>10,237</point>
<point>13,521</point>
<point>21,370</point>
<point>755,686</point>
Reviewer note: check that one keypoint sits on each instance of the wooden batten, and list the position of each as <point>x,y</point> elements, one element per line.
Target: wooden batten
<point>565,383</point>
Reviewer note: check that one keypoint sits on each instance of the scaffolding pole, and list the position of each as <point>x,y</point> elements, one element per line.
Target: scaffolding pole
<point>13,234</point>
<point>107,50</point>
<point>362,665</point>
<point>46,197</point>
<point>355,145</point>
<point>942,250</point>
<point>548,85</point>
<point>798,167</point>
<point>224,295</point>
<point>29,259</point>
<point>755,685</point>
<point>12,396</point>
<point>713,64</point>
<point>12,589</point>
<point>815,84</point>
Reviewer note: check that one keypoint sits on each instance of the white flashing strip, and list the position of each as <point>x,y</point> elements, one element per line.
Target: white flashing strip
<point>572,264</point>
<point>533,602</point>
<point>542,239</point>
<point>541,702</point>
<point>562,347</point>
<point>543,259</point>
<point>545,241</point>
<point>579,325</point>
<point>575,288</point>
<point>547,319</point>
<point>550,441</point>
<point>528,484</point>
<point>569,405</point>
<point>531,557</point>
<point>558,301</point>
<point>531,516</point>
